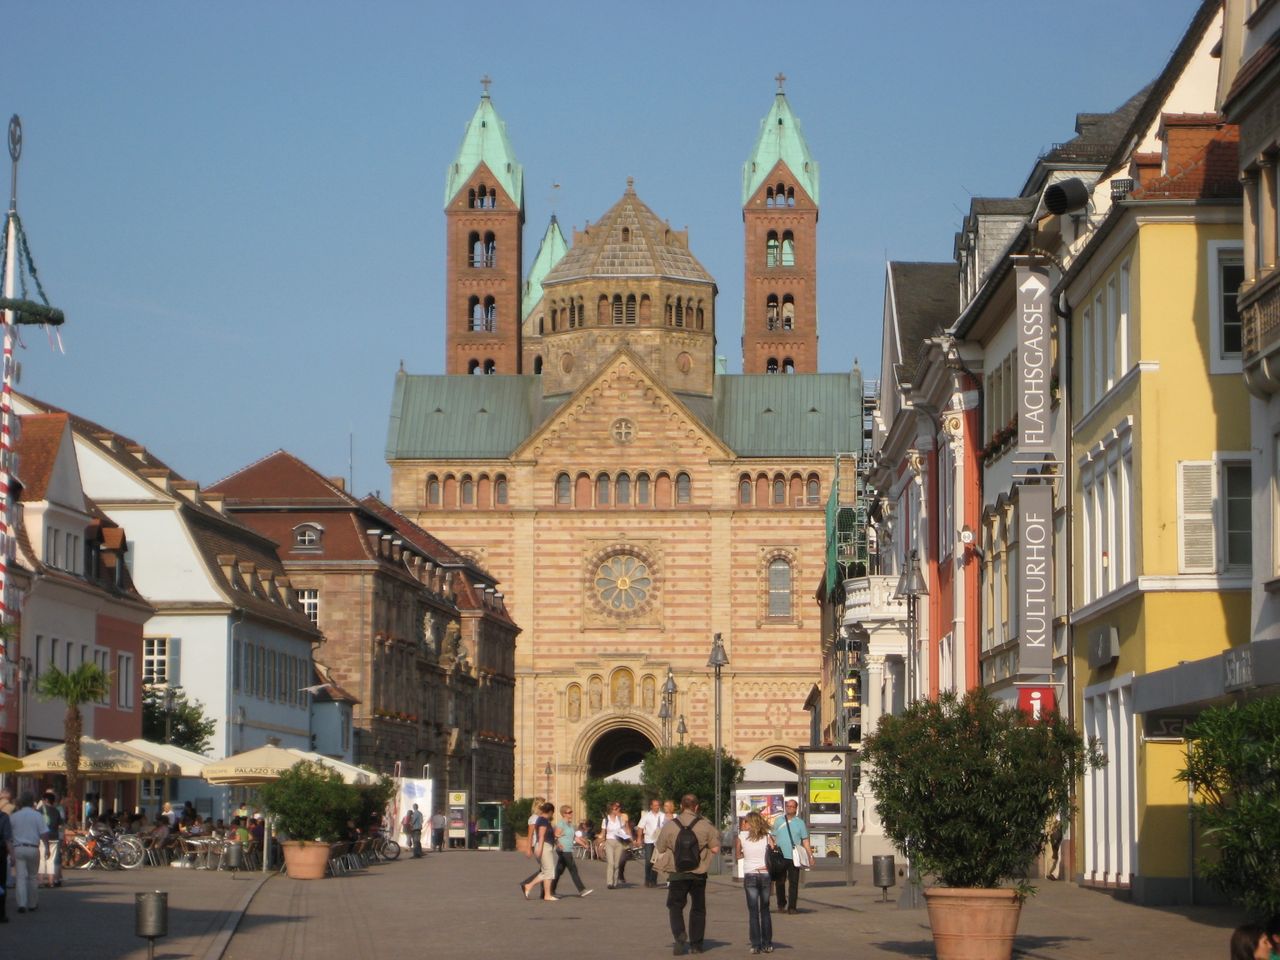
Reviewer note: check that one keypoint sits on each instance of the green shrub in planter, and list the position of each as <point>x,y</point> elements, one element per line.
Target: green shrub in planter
<point>971,784</point>
<point>515,820</point>
<point>1233,759</point>
<point>311,802</point>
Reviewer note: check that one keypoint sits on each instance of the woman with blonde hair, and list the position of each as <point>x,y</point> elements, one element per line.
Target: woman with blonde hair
<point>752,848</point>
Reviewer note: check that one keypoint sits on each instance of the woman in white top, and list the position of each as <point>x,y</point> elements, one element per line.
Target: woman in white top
<point>752,848</point>
<point>617,837</point>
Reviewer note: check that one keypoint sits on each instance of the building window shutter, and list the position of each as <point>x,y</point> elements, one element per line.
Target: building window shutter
<point>1197,508</point>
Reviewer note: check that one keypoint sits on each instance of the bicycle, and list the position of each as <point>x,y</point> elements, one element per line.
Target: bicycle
<point>384,848</point>
<point>105,851</point>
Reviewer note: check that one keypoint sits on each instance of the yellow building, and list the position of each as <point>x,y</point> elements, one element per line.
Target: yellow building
<point>1159,476</point>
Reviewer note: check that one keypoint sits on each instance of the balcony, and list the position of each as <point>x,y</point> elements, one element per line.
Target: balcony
<point>1260,317</point>
<point>870,600</point>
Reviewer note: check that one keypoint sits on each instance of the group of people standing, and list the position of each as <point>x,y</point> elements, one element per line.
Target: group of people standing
<point>30,835</point>
<point>681,847</point>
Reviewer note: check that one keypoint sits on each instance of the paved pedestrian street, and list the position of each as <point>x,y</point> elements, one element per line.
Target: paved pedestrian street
<point>467,904</point>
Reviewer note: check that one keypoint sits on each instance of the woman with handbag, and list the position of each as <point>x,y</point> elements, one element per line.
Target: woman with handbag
<point>756,848</point>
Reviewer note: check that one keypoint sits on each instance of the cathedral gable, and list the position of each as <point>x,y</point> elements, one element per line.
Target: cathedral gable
<point>623,409</point>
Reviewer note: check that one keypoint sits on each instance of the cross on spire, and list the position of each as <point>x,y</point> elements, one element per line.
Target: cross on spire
<point>781,78</point>
<point>484,82</point>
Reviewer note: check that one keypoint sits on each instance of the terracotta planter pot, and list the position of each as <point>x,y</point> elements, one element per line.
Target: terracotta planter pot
<point>522,843</point>
<point>305,860</point>
<point>971,924</point>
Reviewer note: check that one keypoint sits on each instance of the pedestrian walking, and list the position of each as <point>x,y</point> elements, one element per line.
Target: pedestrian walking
<point>616,839</point>
<point>6,851</point>
<point>564,851</point>
<point>438,823</point>
<point>27,825</point>
<point>651,823</point>
<point>415,830</point>
<point>683,852</point>
<point>50,841</point>
<point>793,840</point>
<point>751,846</point>
<point>545,852</point>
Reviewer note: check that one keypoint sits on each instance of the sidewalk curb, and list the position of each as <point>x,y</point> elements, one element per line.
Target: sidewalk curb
<point>223,939</point>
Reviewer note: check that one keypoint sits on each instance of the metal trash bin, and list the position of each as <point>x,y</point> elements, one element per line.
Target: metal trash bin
<point>234,856</point>
<point>883,874</point>
<point>151,917</point>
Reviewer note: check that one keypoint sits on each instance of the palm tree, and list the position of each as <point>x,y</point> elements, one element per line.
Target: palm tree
<point>87,683</point>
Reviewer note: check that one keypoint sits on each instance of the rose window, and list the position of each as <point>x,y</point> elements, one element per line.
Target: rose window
<point>623,583</point>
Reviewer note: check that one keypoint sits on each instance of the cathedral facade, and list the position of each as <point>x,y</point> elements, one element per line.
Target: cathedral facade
<point>632,499</point>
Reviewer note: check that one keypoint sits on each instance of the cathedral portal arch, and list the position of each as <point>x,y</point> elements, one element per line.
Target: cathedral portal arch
<point>615,742</point>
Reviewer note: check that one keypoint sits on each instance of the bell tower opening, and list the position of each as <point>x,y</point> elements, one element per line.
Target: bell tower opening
<point>616,750</point>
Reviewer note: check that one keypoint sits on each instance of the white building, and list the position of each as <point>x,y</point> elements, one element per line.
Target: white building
<point>227,627</point>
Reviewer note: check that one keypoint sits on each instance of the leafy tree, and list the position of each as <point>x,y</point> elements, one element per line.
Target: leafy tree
<point>311,802</point>
<point>672,772</point>
<point>597,794</point>
<point>87,683</point>
<point>373,799</point>
<point>1233,760</point>
<point>188,727</point>
<point>972,784</point>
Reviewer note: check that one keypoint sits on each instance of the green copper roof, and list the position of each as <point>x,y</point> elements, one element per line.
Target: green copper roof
<point>454,417</point>
<point>780,139</point>
<point>756,415</point>
<point>486,142</point>
<point>550,250</point>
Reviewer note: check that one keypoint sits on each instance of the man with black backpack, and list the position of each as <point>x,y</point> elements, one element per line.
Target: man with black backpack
<point>684,850</point>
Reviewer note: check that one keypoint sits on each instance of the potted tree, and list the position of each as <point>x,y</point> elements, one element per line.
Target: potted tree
<point>968,788</point>
<point>310,805</point>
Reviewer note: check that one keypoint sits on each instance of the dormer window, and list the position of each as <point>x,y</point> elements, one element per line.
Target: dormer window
<point>308,536</point>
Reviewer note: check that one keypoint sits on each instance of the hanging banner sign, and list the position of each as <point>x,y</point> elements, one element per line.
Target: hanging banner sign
<point>1035,578</point>
<point>1035,359</point>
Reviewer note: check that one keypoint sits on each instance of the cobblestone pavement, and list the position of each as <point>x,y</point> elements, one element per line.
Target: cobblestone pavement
<point>467,904</point>
<point>91,916</point>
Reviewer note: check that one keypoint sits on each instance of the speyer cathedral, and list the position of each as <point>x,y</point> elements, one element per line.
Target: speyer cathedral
<point>631,498</point>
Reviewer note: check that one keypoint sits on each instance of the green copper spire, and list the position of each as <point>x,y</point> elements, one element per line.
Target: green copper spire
<point>486,142</point>
<point>780,139</point>
<point>552,248</point>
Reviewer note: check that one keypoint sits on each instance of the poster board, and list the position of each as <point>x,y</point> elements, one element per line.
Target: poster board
<point>408,792</point>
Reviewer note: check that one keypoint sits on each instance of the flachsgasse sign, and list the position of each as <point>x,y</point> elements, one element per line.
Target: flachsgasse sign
<point>1035,359</point>
<point>1035,578</point>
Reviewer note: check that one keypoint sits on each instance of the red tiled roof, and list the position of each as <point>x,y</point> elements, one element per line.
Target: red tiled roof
<point>437,550</point>
<point>280,477</point>
<point>40,436</point>
<point>1210,172</point>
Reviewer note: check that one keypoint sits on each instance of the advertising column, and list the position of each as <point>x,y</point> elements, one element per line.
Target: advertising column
<point>826,804</point>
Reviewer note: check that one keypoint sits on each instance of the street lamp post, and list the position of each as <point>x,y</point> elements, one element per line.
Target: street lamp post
<point>471,817</point>
<point>668,706</point>
<point>717,661</point>
<point>911,587</point>
<point>681,729</point>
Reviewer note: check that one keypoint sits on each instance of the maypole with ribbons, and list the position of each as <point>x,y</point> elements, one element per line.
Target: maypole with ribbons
<point>17,308</point>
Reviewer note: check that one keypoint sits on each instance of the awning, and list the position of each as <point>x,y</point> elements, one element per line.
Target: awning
<point>189,764</point>
<point>9,764</point>
<point>100,759</point>
<point>266,764</point>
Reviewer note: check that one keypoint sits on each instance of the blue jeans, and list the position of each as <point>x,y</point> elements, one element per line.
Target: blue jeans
<point>756,886</point>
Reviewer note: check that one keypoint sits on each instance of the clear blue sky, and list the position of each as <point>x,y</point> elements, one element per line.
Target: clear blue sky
<point>238,204</point>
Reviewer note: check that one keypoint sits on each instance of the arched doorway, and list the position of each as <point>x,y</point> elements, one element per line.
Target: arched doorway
<point>617,749</point>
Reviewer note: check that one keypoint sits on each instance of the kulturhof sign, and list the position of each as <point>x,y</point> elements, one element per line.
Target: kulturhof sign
<point>1035,359</point>
<point>1035,577</point>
